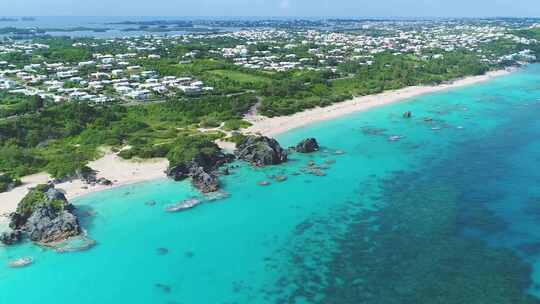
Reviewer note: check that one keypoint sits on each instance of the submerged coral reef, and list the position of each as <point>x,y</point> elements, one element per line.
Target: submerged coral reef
<point>410,250</point>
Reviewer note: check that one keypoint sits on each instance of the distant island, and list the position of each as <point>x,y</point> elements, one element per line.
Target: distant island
<point>9,19</point>
<point>176,23</point>
<point>4,19</point>
<point>41,31</point>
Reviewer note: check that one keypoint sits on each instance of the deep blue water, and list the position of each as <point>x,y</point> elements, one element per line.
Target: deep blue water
<point>448,214</point>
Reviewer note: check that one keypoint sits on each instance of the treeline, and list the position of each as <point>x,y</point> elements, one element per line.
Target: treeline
<point>298,92</point>
<point>11,104</point>
<point>7,182</point>
<point>62,138</point>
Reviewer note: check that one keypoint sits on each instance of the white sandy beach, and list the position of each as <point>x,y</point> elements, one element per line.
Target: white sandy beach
<point>120,172</point>
<point>277,125</point>
<point>123,172</point>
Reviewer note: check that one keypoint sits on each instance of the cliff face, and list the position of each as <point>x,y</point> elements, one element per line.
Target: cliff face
<point>44,216</point>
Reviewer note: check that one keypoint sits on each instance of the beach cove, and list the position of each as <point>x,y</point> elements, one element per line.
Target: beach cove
<point>457,191</point>
<point>122,172</point>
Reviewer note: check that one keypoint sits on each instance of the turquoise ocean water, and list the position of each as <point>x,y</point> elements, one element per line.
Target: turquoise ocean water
<point>448,214</point>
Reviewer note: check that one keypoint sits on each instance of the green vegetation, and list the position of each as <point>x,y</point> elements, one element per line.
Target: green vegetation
<point>61,50</point>
<point>37,197</point>
<point>62,138</point>
<point>11,104</point>
<point>532,33</point>
<point>225,77</point>
<point>7,182</point>
<point>186,147</point>
<point>235,124</point>
<point>237,138</point>
<point>300,91</point>
<point>38,135</point>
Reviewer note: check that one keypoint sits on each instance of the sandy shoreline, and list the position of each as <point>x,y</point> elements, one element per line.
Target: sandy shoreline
<point>110,166</point>
<point>277,125</point>
<point>123,172</point>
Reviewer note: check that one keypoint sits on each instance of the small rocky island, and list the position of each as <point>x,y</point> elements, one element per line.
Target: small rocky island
<point>308,145</point>
<point>44,216</point>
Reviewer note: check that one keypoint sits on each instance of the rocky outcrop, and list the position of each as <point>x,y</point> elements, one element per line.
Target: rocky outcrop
<point>205,182</point>
<point>48,225</point>
<point>87,175</point>
<point>11,237</point>
<point>179,172</point>
<point>307,145</point>
<point>103,181</point>
<point>261,151</point>
<point>44,216</point>
<point>202,169</point>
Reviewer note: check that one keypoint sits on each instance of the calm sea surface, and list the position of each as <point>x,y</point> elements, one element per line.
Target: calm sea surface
<point>448,214</point>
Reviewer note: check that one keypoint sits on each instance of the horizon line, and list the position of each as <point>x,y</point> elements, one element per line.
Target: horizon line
<point>274,16</point>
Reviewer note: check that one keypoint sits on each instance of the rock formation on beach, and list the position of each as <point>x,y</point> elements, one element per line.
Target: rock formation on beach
<point>202,167</point>
<point>44,216</point>
<point>87,175</point>
<point>261,151</point>
<point>307,145</point>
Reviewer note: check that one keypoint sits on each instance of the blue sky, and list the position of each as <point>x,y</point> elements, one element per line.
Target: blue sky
<point>341,8</point>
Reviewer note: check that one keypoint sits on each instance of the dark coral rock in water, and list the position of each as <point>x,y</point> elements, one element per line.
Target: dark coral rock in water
<point>373,131</point>
<point>478,217</point>
<point>164,287</point>
<point>261,151</point>
<point>308,145</point>
<point>11,237</point>
<point>74,244</point>
<point>281,178</point>
<point>45,216</point>
<point>162,251</point>
<point>150,203</point>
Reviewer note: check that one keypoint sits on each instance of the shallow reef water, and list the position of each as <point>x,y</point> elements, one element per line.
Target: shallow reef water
<point>443,207</point>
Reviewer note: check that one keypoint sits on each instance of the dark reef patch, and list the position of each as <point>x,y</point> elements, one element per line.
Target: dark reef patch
<point>411,250</point>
